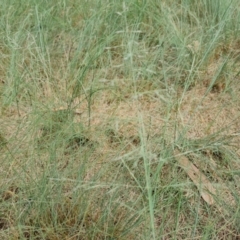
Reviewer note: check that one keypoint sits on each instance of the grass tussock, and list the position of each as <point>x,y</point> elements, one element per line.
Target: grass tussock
<point>119,120</point>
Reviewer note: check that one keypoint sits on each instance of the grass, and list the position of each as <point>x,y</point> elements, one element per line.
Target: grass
<point>102,102</point>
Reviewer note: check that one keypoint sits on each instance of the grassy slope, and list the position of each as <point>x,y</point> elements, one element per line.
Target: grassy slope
<point>96,97</point>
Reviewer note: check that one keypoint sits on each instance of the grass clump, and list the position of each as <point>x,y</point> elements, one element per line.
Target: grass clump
<point>119,120</point>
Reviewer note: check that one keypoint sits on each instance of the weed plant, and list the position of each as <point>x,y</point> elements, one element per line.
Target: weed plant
<point>96,97</point>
